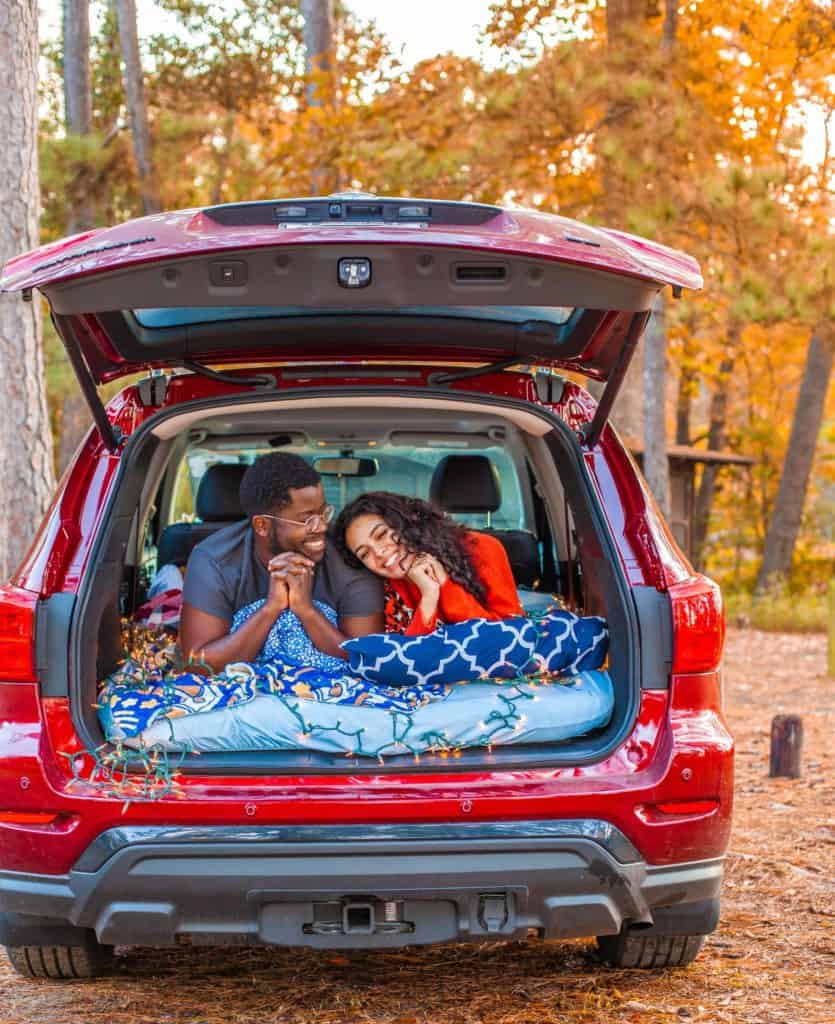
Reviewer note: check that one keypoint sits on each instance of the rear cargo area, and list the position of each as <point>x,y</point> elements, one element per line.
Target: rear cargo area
<point>523,477</point>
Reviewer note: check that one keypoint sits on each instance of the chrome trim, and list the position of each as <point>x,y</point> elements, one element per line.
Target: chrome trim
<point>484,833</point>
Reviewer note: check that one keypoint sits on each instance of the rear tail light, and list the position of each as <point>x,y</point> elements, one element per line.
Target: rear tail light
<point>698,626</point>
<point>17,635</point>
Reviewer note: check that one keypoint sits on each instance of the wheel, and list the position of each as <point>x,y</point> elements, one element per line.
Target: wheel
<point>637,949</point>
<point>61,963</point>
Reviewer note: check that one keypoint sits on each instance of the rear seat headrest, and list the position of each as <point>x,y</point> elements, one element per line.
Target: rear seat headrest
<point>218,496</point>
<point>466,483</point>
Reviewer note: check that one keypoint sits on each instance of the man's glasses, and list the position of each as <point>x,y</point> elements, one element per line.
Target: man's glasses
<point>312,523</point>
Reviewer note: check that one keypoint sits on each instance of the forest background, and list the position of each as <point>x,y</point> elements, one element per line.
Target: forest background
<point>688,123</point>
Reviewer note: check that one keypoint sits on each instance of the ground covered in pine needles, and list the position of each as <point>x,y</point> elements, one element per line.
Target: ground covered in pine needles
<point>771,962</point>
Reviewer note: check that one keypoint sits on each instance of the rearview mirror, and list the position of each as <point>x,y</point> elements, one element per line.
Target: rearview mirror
<point>345,467</point>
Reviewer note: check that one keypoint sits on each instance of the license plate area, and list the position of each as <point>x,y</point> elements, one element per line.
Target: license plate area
<point>357,922</point>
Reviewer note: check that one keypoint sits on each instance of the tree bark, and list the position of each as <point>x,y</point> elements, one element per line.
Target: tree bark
<point>137,108</point>
<point>685,381</point>
<point>26,474</point>
<point>656,467</point>
<point>786,752</point>
<point>668,36</point>
<point>794,481</point>
<point>628,410</point>
<point>78,98</point>
<point>78,103</point>
<point>620,14</point>
<point>715,442</point>
<point>318,42</point>
<point>75,422</point>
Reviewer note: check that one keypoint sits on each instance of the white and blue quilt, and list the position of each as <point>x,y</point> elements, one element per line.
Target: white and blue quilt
<point>474,683</point>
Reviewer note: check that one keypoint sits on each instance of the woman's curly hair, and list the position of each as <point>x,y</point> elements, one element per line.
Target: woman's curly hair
<point>421,527</point>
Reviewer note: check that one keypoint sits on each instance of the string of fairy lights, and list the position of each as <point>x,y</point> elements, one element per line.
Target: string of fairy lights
<point>152,772</point>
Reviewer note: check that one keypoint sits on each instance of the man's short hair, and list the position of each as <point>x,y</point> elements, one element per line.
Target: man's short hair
<point>267,483</point>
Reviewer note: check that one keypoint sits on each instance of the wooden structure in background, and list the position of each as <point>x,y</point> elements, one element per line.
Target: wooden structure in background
<point>683,462</point>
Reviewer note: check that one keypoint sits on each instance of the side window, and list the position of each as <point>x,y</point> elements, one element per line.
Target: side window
<point>190,472</point>
<point>182,502</point>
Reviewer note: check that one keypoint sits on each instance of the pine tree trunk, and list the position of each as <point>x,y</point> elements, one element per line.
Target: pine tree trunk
<point>715,442</point>
<point>685,381</point>
<point>668,37</point>
<point>656,463</point>
<point>318,42</point>
<point>794,481</point>
<point>78,97</point>
<point>620,14</point>
<point>137,108</point>
<point>656,467</point>
<point>623,18</point>
<point>26,474</point>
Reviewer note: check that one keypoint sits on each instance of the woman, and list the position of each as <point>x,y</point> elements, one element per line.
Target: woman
<point>436,570</point>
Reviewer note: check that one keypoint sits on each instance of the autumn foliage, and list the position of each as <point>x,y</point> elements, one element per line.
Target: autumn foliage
<point>683,123</point>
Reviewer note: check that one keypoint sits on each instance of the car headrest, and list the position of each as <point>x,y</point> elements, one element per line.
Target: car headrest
<point>218,496</point>
<point>466,483</point>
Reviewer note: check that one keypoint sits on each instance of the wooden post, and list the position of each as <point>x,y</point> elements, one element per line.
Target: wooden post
<point>786,746</point>
<point>831,659</point>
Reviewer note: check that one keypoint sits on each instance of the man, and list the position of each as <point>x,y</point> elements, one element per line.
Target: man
<point>281,554</point>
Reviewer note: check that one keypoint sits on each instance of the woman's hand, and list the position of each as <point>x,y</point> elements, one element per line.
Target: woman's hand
<point>427,574</point>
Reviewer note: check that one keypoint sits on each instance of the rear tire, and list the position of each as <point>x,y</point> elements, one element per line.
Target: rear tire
<point>61,963</point>
<point>637,949</point>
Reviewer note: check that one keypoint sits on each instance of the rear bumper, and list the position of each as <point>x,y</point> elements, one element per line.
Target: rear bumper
<point>358,887</point>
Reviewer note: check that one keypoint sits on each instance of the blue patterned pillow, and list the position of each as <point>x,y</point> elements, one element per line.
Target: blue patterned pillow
<point>569,644</point>
<point>560,643</point>
<point>463,652</point>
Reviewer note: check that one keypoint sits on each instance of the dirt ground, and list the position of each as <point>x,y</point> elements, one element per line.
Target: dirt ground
<point>772,961</point>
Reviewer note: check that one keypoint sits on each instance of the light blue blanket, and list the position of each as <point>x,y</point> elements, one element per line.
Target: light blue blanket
<point>471,715</point>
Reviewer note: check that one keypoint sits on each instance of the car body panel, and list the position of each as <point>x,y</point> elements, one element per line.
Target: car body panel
<point>416,300</point>
<point>653,766</point>
<point>186,233</point>
<point>678,752</point>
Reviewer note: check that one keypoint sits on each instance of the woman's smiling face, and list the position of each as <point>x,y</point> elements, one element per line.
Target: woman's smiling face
<point>376,544</point>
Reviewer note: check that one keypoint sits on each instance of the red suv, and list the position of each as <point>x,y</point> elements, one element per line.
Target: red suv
<point>394,333</point>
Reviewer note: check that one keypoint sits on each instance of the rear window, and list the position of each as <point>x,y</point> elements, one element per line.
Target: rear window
<point>405,469</point>
<point>186,315</point>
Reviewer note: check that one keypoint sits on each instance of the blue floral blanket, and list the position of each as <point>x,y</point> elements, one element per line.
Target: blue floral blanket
<point>147,687</point>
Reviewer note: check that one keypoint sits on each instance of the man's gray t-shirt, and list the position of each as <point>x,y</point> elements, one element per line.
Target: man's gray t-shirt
<point>224,573</point>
